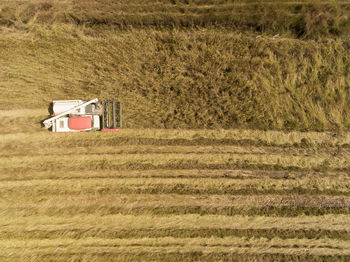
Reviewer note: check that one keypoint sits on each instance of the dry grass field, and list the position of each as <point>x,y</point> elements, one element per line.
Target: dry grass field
<point>236,144</point>
<point>183,64</point>
<point>172,195</point>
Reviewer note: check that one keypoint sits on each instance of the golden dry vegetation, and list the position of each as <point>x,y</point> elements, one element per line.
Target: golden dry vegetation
<point>174,195</point>
<point>236,143</point>
<point>183,64</point>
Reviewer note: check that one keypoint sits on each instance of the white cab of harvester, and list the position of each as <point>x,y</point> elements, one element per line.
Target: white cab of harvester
<point>79,115</point>
<point>60,125</point>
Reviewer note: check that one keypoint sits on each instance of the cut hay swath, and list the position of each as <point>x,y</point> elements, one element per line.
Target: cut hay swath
<point>136,195</point>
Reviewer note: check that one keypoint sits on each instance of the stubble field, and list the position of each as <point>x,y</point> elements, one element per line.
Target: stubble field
<point>172,195</point>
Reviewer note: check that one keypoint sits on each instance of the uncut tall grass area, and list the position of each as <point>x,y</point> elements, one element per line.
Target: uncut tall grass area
<point>235,144</point>
<point>183,64</point>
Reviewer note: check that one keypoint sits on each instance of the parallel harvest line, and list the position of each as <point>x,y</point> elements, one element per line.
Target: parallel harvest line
<point>149,245</point>
<point>179,137</point>
<point>151,200</point>
<point>231,210</point>
<point>326,186</point>
<point>97,231</point>
<point>169,173</point>
<point>241,255</point>
<point>172,161</point>
<point>267,205</point>
<point>123,222</point>
<point>59,150</point>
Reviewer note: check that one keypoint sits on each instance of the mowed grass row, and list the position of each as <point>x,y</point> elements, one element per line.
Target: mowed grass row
<point>102,186</point>
<point>167,204</point>
<point>169,247</point>
<point>17,121</point>
<point>229,174</point>
<point>60,164</point>
<point>136,195</point>
<point>58,150</point>
<point>36,141</point>
<point>139,161</point>
<point>178,256</point>
<point>334,226</point>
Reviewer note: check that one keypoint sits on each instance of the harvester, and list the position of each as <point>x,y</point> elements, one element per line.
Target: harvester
<point>79,115</point>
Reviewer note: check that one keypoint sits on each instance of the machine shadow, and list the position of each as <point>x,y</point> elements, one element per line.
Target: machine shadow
<point>50,110</point>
